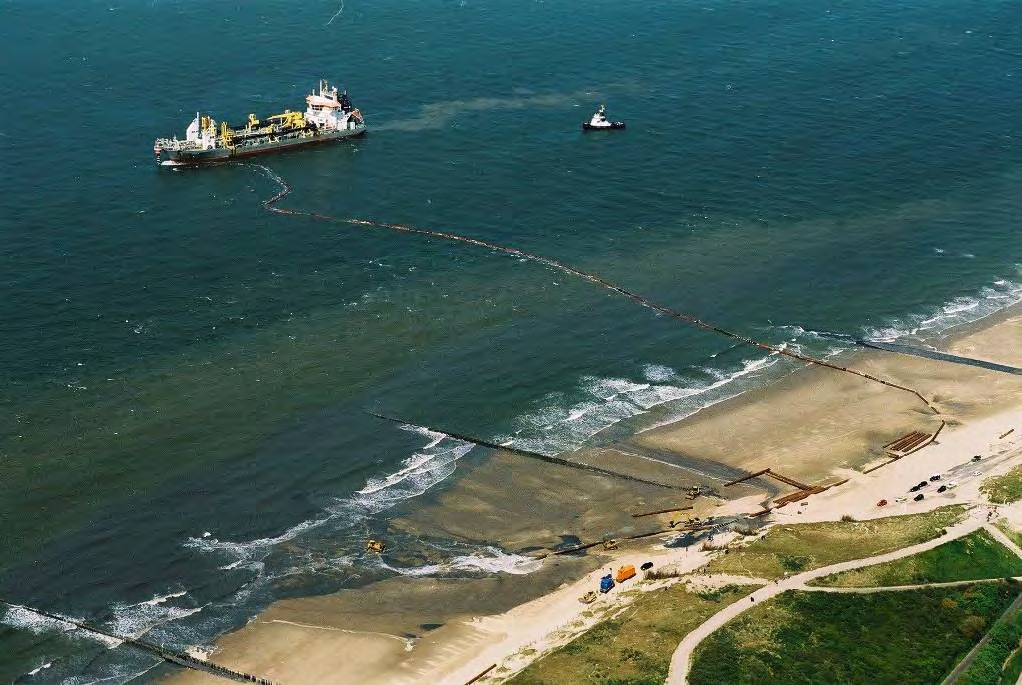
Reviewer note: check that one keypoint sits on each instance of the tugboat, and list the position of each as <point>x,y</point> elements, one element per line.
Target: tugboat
<point>328,116</point>
<point>599,121</point>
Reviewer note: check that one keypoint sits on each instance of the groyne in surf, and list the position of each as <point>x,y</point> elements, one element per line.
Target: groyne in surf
<point>179,658</point>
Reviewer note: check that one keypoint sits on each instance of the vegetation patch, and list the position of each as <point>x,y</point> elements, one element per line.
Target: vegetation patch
<point>972,557</point>
<point>1010,531</point>
<point>636,647</point>
<point>792,548</point>
<point>1012,671</point>
<point>1004,489</point>
<point>910,636</point>
<point>992,663</point>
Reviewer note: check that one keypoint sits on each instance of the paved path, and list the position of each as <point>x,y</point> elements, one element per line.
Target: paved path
<point>1003,539</point>
<point>682,657</point>
<point>895,588</point>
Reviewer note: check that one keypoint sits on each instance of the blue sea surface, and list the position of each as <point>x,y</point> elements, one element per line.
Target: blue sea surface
<point>184,376</point>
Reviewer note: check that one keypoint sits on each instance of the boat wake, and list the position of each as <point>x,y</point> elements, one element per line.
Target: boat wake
<point>337,15</point>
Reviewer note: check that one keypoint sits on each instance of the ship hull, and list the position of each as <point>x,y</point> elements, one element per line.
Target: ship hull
<point>245,149</point>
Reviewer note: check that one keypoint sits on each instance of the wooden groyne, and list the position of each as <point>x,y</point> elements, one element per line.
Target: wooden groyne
<point>803,489</point>
<point>773,474</point>
<point>750,476</point>
<point>638,536</point>
<point>533,455</point>
<point>480,676</point>
<point>661,511</point>
<point>179,658</point>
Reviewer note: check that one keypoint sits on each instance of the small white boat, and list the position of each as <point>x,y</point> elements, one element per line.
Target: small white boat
<point>599,121</point>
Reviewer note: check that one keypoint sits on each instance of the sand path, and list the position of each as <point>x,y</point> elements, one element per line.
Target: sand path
<point>682,656</point>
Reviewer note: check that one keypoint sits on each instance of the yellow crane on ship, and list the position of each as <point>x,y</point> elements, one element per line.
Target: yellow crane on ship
<point>289,119</point>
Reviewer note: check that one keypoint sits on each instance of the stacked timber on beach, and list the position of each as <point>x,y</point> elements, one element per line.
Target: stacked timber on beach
<point>906,445</point>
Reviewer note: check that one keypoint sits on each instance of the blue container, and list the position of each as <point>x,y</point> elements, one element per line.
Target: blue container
<point>606,583</point>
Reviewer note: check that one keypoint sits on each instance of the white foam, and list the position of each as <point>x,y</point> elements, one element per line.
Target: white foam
<point>41,668</point>
<point>418,473</point>
<point>160,599</point>
<point>492,560</point>
<point>23,618</point>
<point>135,620</point>
<point>201,652</point>
<point>1000,294</point>
<point>562,426</point>
<point>656,373</point>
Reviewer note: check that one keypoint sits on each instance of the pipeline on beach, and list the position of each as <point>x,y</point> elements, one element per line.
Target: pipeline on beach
<point>285,189</point>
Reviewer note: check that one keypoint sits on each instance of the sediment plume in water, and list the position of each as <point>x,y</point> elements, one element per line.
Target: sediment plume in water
<point>285,189</point>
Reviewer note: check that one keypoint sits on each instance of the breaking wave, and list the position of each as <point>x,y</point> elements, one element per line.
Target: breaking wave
<point>490,560</point>
<point>25,619</point>
<point>999,295</point>
<point>597,404</point>
<point>135,620</point>
<point>332,542</point>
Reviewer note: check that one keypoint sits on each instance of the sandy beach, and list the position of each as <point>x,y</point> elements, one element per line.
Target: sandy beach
<point>818,426</point>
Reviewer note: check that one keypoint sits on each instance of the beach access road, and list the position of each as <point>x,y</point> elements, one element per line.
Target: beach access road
<point>682,657</point>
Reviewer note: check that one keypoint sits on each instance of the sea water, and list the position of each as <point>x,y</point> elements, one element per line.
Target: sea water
<point>185,377</point>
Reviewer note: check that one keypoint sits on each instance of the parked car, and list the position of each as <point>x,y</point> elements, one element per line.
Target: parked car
<point>977,458</point>
<point>647,566</point>
<point>914,488</point>
<point>934,477</point>
<point>942,488</point>
<point>882,503</point>
<point>923,483</point>
<point>918,497</point>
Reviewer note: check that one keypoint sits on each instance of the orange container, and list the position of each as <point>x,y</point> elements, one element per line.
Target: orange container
<point>625,572</point>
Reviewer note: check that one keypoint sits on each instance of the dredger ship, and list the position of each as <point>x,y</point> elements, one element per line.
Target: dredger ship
<point>329,116</point>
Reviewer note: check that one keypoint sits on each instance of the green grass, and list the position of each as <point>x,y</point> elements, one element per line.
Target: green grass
<point>1004,489</point>
<point>1013,669</point>
<point>792,548</point>
<point>989,666</point>
<point>975,556</point>
<point>905,637</point>
<point>636,647</point>
<point>1010,531</point>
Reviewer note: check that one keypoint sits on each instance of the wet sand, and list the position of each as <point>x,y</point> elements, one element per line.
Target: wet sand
<point>814,425</point>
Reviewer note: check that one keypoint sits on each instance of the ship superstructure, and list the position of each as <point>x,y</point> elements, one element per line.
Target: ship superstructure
<point>328,116</point>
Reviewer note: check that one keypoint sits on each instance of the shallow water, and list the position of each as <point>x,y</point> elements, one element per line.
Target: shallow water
<point>177,361</point>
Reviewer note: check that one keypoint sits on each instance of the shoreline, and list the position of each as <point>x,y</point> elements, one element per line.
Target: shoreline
<point>817,425</point>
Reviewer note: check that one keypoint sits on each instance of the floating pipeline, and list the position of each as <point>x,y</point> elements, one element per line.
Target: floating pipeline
<point>285,190</point>
<point>178,658</point>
